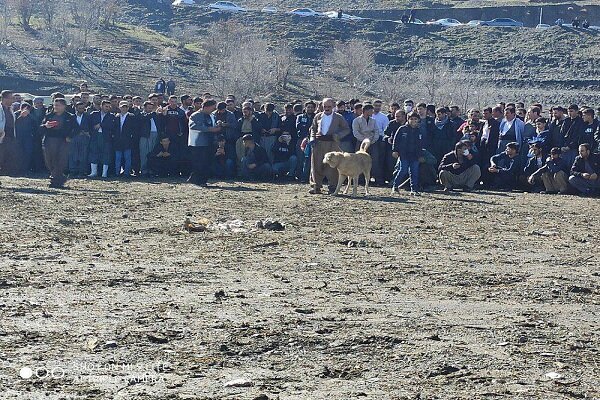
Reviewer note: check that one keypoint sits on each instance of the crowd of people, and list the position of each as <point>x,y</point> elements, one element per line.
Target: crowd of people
<point>414,145</point>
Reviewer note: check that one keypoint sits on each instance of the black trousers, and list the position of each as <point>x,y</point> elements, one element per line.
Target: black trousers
<point>56,154</point>
<point>200,158</point>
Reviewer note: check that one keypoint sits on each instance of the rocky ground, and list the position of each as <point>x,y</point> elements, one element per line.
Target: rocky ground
<point>104,295</point>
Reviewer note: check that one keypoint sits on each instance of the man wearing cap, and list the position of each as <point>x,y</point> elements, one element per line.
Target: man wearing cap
<point>202,127</point>
<point>554,174</point>
<point>585,172</point>
<point>58,128</point>
<point>327,129</point>
<point>255,163</point>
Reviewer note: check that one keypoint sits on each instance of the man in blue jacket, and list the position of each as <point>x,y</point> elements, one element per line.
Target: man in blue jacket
<point>103,124</point>
<point>506,167</point>
<point>554,174</point>
<point>406,147</point>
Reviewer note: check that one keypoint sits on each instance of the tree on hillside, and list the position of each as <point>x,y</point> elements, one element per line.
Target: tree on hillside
<point>24,10</point>
<point>47,10</point>
<point>352,62</point>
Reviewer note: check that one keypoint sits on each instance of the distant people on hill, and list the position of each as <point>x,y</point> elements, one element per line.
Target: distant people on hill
<point>170,85</point>
<point>160,86</point>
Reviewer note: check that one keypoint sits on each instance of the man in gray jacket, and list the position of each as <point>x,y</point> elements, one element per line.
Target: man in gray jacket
<point>201,140</point>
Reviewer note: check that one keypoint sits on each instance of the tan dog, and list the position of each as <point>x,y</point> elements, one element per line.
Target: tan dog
<point>351,165</point>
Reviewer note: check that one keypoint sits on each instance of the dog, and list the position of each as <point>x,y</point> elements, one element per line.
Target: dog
<point>351,165</point>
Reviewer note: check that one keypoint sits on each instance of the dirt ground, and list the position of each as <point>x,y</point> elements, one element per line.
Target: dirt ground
<point>104,295</point>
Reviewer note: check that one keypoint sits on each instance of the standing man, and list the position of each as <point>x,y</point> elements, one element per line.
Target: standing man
<point>58,128</point>
<point>203,128</point>
<point>382,121</point>
<point>303,125</point>
<point>150,131</point>
<point>170,87</point>
<point>160,86</point>
<point>79,149</point>
<point>25,129</point>
<point>103,124</point>
<point>572,133</point>
<point>365,127</point>
<point>511,130</point>
<point>327,129</point>
<point>7,131</point>
<point>123,139</point>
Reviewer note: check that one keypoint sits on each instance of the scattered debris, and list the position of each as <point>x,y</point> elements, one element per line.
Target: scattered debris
<point>270,225</point>
<point>544,233</point>
<point>199,226</point>
<point>156,338</point>
<point>445,370</point>
<point>239,382</point>
<point>220,294</point>
<point>110,344</point>
<point>553,375</point>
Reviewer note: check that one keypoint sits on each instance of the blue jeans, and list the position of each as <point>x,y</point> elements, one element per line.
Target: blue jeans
<point>404,169</point>
<point>286,167</point>
<point>120,157</point>
<point>224,171</point>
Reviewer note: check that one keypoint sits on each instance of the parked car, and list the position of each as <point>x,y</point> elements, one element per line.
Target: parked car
<point>594,27</point>
<point>181,3</point>
<point>474,22</point>
<point>416,21</point>
<point>269,9</point>
<point>306,12</point>
<point>445,22</point>
<point>226,6</point>
<point>508,22</point>
<point>347,17</point>
<point>541,27</point>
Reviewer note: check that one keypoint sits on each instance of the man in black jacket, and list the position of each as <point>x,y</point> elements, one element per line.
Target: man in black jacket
<point>80,146</point>
<point>572,134</point>
<point>124,133</point>
<point>585,173</point>
<point>103,124</point>
<point>459,169</point>
<point>255,164</point>
<point>590,128</point>
<point>150,130</point>
<point>25,130</point>
<point>407,148</point>
<point>58,128</point>
<point>162,160</point>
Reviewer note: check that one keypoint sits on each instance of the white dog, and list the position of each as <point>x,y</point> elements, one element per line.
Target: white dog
<point>351,165</point>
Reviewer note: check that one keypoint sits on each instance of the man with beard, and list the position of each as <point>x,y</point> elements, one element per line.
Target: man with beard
<point>585,173</point>
<point>327,129</point>
<point>203,128</point>
<point>150,130</point>
<point>444,135</point>
<point>175,124</point>
<point>427,125</point>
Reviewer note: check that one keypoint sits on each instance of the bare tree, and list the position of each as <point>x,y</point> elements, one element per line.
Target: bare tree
<point>284,65</point>
<point>184,34</point>
<point>24,10</point>
<point>48,10</point>
<point>86,16</point>
<point>5,17</point>
<point>352,62</point>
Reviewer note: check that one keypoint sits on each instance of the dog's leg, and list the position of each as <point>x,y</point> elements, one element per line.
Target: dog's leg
<point>367,180</point>
<point>339,184</point>
<point>355,186</point>
<point>348,185</point>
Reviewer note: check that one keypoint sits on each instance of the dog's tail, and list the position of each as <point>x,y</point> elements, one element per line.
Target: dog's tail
<point>364,146</point>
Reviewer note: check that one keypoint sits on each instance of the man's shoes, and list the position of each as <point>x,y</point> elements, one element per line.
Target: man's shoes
<point>547,192</point>
<point>448,189</point>
<point>414,193</point>
<point>394,190</point>
<point>314,191</point>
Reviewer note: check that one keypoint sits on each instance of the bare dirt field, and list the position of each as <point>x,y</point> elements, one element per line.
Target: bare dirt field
<point>104,295</point>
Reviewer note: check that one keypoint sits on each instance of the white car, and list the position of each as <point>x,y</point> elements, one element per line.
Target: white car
<point>269,9</point>
<point>347,17</point>
<point>306,12</point>
<point>502,22</point>
<point>226,6</point>
<point>446,22</point>
<point>416,21</point>
<point>181,3</point>
<point>474,22</point>
<point>542,27</point>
